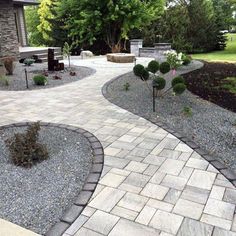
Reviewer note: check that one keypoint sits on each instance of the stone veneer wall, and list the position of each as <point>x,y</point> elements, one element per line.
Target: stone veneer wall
<point>8,34</point>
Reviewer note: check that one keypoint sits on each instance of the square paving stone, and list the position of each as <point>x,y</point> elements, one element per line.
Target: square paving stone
<point>174,182</point>
<point>167,222</point>
<point>129,228</point>
<point>202,179</point>
<point>220,209</point>
<point>101,222</point>
<point>230,196</point>
<point>136,166</point>
<point>217,192</point>
<point>188,209</point>
<point>107,199</point>
<point>222,232</point>
<point>112,180</point>
<point>155,191</point>
<point>194,228</point>
<point>137,179</point>
<point>172,167</point>
<point>133,202</point>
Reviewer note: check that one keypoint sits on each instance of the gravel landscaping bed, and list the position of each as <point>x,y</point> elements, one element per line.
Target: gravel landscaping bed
<point>17,80</point>
<point>210,126</point>
<point>35,198</point>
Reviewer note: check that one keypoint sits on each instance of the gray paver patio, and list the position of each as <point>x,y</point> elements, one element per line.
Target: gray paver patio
<point>153,184</point>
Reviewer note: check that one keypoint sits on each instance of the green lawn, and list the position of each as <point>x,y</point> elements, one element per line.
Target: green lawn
<point>228,55</point>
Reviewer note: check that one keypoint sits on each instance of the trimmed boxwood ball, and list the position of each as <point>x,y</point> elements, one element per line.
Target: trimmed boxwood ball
<point>138,70</point>
<point>164,67</point>
<point>179,88</point>
<point>186,61</point>
<point>40,80</point>
<point>177,80</point>
<point>159,83</point>
<point>145,75</point>
<point>153,66</point>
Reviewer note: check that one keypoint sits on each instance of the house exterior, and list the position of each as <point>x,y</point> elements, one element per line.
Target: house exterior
<point>13,33</point>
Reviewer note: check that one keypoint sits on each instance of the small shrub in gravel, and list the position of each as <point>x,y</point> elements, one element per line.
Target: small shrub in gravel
<point>40,80</point>
<point>187,111</point>
<point>145,75</point>
<point>164,67</point>
<point>153,66</point>
<point>179,88</point>
<point>126,87</point>
<point>159,83</point>
<point>138,70</point>
<point>24,148</point>
<point>177,80</point>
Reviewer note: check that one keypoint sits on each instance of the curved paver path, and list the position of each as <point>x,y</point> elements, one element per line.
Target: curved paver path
<point>152,183</point>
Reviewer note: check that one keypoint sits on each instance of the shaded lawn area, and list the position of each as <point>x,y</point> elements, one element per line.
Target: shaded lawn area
<point>228,55</point>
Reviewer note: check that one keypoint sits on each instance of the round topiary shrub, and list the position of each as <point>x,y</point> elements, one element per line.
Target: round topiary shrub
<point>153,66</point>
<point>179,88</point>
<point>164,67</point>
<point>177,80</point>
<point>186,61</point>
<point>159,83</point>
<point>40,80</point>
<point>138,70</point>
<point>145,75</point>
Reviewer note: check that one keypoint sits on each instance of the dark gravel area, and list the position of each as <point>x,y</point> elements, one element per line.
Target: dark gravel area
<point>17,80</point>
<point>210,126</point>
<point>36,198</point>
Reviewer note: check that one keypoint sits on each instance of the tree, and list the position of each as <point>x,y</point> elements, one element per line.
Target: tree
<point>110,19</point>
<point>32,21</point>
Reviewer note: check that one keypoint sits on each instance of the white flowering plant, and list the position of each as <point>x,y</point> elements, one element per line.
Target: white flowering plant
<point>174,59</point>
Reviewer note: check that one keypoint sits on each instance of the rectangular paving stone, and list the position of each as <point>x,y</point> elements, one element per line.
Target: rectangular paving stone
<point>154,160</point>
<point>111,151</point>
<point>160,205</point>
<point>194,228</point>
<point>172,196</point>
<point>216,221</point>
<point>172,154</point>
<point>88,211</point>
<point>157,178</point>
<point>167,222</point>
<point>194,194</point>
<point>123,145</point>
<point>222,232</point>
<point>172,167</point>
<point>197,164</point>
<point>148,144</point>
<point>107,199</point>
<point>87,232</point>
<point>151,170</point>
<point>202,179</point>
<point>79,222</point>
<point>182,147</point>
<point>220,209</point>
<point>145,215</point>
<point>140,152</point>
<point>137,180</point>
<point>124,213</point>
<point>101,222</point>
<point>186,172</point>
<point>174,182</point>
<point>155,191</point>
<point>133,202</point>
<point>130,188</point>
<point>188,209</point>
<point>127,138</point>
<point>126,227</point>
<point>112,180</point>
<point>230,196</point>
<point>136,167</point>
<point>120,172</point>
<point>115,162</point>
<point>184,156</point>
<point>217,192</point>
<point>234,223</point>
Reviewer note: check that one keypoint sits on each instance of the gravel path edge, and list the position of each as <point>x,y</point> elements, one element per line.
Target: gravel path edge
<point>225,171</point>
<point>74,211</point>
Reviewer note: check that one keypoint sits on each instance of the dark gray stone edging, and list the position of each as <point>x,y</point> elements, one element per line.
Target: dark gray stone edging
<point>229,174</point>
<point>90,185</point>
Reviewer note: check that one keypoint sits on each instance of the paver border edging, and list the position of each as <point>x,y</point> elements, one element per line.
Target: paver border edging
<point>90,185</point>
<point>225,171</point>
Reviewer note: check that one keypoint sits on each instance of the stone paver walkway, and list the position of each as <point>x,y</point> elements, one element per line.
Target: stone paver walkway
<point>152,183</point>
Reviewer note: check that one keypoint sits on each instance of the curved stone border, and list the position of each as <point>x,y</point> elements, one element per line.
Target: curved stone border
<point>229,174</point>
<point>90,185</point>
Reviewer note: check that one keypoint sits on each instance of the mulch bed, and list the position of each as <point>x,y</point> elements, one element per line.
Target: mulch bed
<point>207,84</point>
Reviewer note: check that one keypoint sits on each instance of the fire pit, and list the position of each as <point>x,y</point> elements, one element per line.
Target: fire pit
<point>121,57</point>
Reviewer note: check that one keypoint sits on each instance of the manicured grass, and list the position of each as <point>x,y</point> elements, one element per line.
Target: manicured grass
<point>228,55</point>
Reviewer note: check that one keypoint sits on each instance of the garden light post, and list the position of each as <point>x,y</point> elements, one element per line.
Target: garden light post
<point>26,79</point>
<point>154,98</point>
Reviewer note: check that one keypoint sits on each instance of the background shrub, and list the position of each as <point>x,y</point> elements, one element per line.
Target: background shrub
<point>24,148</point>
<point>138,70</point>
<point>153,66</point>
<point>159,83</point>
<point>177,80</point>
<point>179,88</point>
<point>40,80</point>
<point>186,60</point>
<point>164,67</point>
